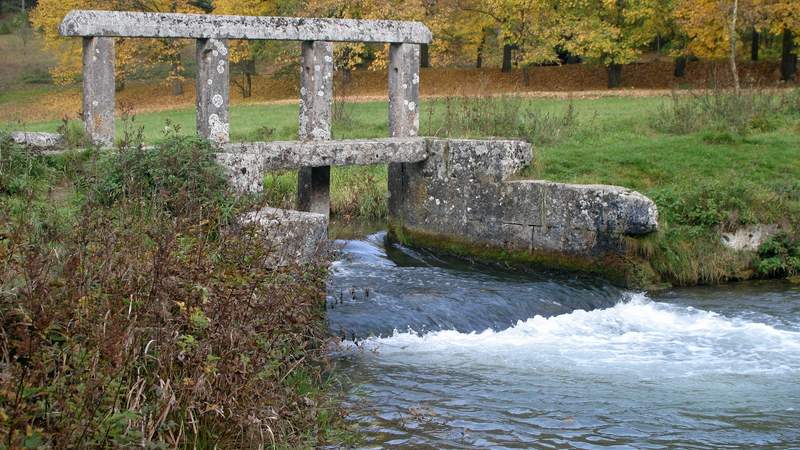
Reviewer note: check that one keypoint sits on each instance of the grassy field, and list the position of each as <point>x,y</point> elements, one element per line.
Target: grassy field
<point>708,174</point>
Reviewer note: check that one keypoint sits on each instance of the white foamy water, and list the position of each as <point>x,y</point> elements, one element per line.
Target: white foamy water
<point>483,358</point>
<point>634,333</point>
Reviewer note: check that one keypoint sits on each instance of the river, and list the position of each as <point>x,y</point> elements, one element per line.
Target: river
<point>439,353</point>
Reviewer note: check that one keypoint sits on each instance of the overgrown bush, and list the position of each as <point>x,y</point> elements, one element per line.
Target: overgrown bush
<point>687,255</point>
<point>724,205</point>
<point>19,173</point>
<point>180,172</point>
<point>148,322</point>
<point>779,256</point>
<point>74,134</point>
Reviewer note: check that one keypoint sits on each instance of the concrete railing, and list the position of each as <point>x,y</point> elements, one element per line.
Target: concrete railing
<point>99,28</point>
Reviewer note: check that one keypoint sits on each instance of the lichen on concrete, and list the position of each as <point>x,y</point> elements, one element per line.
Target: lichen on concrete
<point>213,26</point>
<point>246,163</point>
<point>44,142</point>
<point>99,89</point>
<point>212,90</point>
<point>291,237</point>
<point>464,189</point>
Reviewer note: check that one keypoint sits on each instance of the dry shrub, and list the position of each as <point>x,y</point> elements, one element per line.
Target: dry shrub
<point>152,323</point>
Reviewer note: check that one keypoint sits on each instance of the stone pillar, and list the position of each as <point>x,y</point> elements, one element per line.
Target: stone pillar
<point>212,91</point>
<point>403,110</point>
<point>316,96</point>
<point>98,89</point>
<point>404,90</point>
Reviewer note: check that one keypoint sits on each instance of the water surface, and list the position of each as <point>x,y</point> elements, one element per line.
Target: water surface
<point>444,354</point>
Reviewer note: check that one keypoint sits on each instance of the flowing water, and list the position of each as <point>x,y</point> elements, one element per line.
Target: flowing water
<point>442,354</point>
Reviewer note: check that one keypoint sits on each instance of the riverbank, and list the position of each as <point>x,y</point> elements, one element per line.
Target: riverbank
<point>135,312</point>
<point>713,163</point>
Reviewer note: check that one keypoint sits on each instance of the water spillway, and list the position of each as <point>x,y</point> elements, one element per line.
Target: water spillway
<point>443,354</point>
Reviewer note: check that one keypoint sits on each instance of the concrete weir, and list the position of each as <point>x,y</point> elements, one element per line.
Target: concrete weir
<point>447,194</point>
<point>464,198</point>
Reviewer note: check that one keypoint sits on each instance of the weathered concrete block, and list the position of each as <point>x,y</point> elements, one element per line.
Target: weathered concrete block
<point>292,237</point>
<point>212,90</point>
<point>316,104</point>
<point>208,26</point>
<point>464,191</point>
<point>98,89</point>
<point>44,142</point>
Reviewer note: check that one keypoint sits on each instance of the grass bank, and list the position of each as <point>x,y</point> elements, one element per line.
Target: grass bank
<point>136,313</point>
<point>712,163</point>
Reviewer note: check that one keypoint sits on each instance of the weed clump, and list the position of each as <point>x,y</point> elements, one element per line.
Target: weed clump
<point>779,256</point>
<point>505,116</point>
<point>724,116</point>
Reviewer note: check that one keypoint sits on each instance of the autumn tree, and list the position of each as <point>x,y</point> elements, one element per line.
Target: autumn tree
<point>244,55</point>
<point>528,29</point>
<point>130,53</point>
<point>460,36</point>
<point>783,19</point>
<point>613,32</point>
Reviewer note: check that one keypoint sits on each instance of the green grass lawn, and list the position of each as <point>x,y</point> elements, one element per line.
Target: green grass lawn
<point>705,180</point>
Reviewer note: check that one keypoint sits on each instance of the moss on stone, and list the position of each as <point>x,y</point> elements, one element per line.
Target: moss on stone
<point>624,270</point>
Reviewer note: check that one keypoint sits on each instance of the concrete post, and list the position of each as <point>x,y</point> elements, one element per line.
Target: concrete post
<point>98,89</point>
<point>316,96</point>
<point>403,110</point>
<point>404,90</point>
<point>212,90</point>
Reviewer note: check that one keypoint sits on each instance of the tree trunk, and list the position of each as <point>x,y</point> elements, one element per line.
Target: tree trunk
<point>479,59</point>
<point>680,66</point>
<point>614,75</point>
<point>788,57</point>
<point>754,45</point>
<point>732,36</point>
<point>507,53</point>
<point>526,75</point>
<point>424,56</point>
<point>177,84</point>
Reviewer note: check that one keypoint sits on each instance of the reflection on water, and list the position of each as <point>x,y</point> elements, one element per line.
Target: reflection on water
<point>443,354</point>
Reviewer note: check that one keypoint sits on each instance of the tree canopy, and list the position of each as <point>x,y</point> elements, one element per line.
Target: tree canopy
<point>470,32</point>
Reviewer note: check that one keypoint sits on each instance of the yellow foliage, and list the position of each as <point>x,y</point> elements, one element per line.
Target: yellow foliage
<point>130,53</point>
<point>613,31</point>
<point>242,50</point>
<point>706,22</point>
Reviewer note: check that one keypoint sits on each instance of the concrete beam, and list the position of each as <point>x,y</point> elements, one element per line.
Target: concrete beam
<point>207,26</point>
<point>247,162</point>
<point>212,90</point>
<point>98,90</point>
